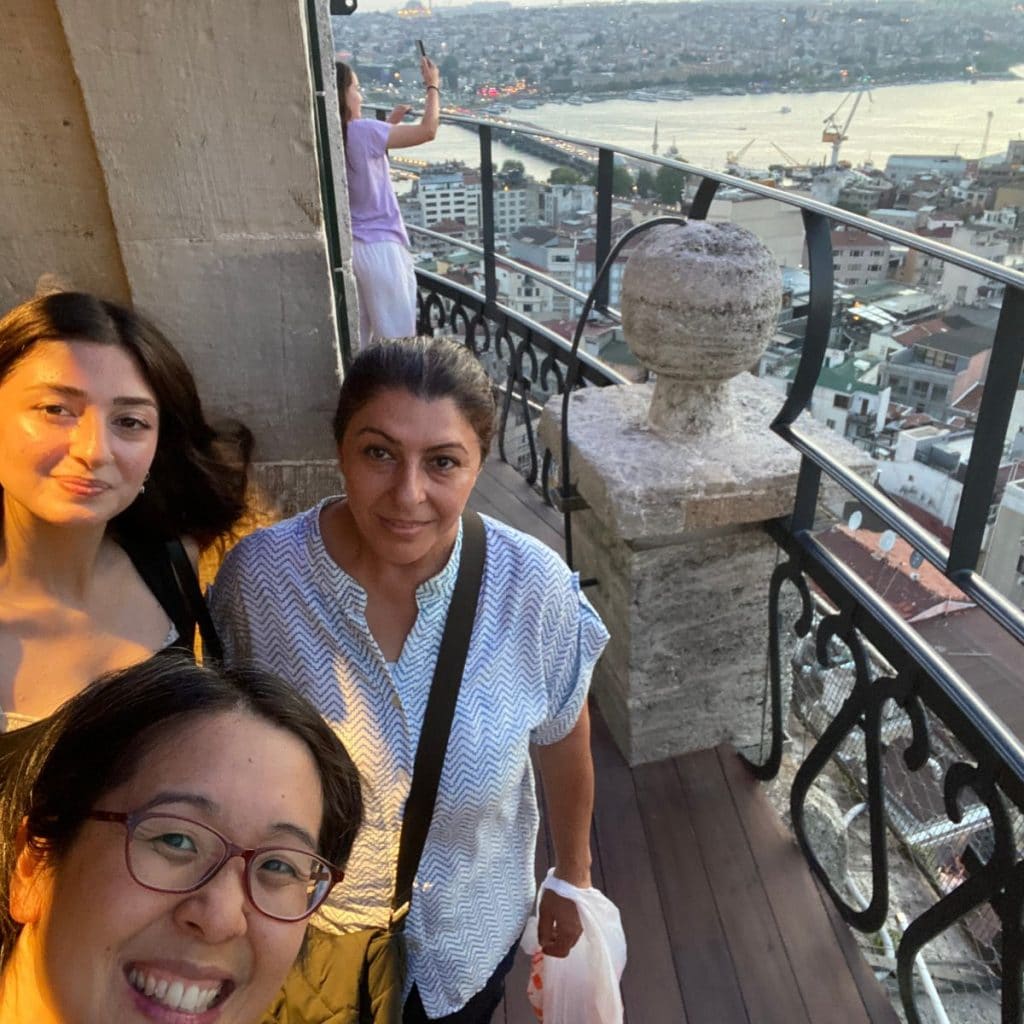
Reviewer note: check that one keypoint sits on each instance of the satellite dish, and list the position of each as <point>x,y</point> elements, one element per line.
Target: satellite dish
<point>887,541</point>
<point>856,518</point>
<point>916,560</point>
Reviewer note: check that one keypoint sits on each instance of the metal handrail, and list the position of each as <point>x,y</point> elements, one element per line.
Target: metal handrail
<point>947,253</point>
<point>545,279</point>
<point>922,681</point>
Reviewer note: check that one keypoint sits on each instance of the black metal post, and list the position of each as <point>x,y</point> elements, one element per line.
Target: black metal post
<point>1001,383</point>
<point>326,170</point>
<point>702,200</point>
<point>603,242</point>
<point>818,234</point>
<point>487,216</point>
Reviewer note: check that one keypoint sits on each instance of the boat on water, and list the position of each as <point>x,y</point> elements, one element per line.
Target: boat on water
<point>785,110</point>
<point>574,101</point>
<point>641,96</point>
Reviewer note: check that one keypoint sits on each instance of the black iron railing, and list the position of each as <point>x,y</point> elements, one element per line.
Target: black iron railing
<point>890,664</point>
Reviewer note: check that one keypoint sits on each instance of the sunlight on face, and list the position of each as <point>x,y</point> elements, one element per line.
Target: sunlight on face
<point>107,949</point>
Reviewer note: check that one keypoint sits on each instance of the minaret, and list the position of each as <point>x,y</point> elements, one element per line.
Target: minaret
<point>654,144</point>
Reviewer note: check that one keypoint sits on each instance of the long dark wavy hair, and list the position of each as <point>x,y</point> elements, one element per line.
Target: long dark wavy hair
<point>54,772</point>
<point>428,368</point>
<point>344,73</point>
<point>197,482</point>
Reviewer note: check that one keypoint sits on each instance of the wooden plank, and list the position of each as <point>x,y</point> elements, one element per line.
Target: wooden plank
<point>879,1008</point>
<point>826,984</point>
<point>480,503</point>
<point>768,985</point>
<point>703,961</point>
<point>517,513</point>
<point>515,483</point>
<point>650,988</point>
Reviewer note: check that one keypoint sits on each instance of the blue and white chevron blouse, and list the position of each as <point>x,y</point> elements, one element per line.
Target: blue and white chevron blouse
<point>281,601</point>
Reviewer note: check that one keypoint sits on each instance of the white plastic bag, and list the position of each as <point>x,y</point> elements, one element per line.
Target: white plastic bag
<point>582,988</point>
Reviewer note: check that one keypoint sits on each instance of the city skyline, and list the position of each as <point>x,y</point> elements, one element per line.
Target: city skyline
<point>384,6</point>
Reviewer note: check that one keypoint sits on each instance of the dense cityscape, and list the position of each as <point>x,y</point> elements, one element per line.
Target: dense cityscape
<point>500,48</point>
<point>912,335</point>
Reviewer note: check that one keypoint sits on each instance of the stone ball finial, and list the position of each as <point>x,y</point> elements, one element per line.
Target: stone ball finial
<point>699,306</point>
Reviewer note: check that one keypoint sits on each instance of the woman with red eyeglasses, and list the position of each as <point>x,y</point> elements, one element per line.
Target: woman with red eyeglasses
<point>164,838</point>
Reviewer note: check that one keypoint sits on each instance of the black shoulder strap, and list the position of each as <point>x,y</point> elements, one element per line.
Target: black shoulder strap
<point>193,597</point>
<point>437,719</point>
<point>153,563</point>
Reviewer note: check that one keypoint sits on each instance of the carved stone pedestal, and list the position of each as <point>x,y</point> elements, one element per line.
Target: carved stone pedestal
<point>680,477</point>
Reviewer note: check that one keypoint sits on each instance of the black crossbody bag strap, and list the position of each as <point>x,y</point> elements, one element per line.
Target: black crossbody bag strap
<point>189,586</point>
<point>437,719</point>
<point>152,561</point>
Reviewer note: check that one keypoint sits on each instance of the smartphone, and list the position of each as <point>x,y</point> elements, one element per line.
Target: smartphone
<point>421,48</point>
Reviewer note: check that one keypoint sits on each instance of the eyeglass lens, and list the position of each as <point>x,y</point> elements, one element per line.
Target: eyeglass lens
<point>176,855</point>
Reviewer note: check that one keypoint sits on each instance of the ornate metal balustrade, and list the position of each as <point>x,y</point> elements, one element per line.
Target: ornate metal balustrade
<point>899,695</point>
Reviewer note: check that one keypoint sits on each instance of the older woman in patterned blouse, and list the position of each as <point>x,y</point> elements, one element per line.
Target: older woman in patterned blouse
<point>349,600</point>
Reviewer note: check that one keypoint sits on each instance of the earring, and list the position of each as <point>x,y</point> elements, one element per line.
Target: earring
<point>142,489</point>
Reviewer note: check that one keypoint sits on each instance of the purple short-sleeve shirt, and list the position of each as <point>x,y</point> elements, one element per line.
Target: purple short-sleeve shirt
<point>371,196</point>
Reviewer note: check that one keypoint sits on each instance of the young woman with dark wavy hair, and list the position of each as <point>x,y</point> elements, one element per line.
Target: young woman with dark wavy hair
<point>111,481</point>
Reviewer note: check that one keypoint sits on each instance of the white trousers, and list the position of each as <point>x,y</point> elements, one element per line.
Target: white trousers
<point>386,283</point>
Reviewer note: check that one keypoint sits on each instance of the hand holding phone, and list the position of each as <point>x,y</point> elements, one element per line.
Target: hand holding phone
<point>421,48</point>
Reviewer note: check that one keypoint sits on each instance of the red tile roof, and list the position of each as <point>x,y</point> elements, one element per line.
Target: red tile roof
<point>914,592</point>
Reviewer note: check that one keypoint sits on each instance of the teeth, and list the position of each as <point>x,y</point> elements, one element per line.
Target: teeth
<point>175,995</point>
<point>190,999</point>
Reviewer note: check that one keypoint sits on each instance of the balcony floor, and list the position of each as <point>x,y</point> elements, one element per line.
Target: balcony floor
<point>723,920</point>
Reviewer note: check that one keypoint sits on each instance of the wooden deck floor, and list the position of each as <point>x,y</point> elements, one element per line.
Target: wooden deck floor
<point>724,922</point>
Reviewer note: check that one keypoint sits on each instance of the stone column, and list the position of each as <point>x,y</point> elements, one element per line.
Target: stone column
<point>165,155</point>
<point>679,477</point>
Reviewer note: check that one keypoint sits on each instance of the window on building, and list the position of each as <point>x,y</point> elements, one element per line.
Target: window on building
<point>948,361</point>
<point>874,266</point>
<point>920,388</point>
<point>1020,564</point>
<point>856,252</point>
<point>841,401</point>
<point>831,424</point>
<point>940,394</point>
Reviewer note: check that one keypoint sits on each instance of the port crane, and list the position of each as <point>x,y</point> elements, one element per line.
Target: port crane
<point>732,160</point>
<point>832,133</point>
<point>791,161</point>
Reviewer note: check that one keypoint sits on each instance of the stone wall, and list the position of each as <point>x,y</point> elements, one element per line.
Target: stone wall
<point>164,154</point>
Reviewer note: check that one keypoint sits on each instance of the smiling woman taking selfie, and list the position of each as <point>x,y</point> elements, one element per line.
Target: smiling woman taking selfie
<point>164,838</point>
<point>353,601</point>
<point>111,480</point>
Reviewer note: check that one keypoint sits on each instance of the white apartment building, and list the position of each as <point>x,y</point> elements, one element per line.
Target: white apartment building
<point>522,291</point>
<point>558,203</point>
<point>448,195</point>
<point>962,287</point>
<point>779,226</point>
<point>457,196</point>
<point>1004,559</point>
<point>859,258</point>
<point>552,254</point>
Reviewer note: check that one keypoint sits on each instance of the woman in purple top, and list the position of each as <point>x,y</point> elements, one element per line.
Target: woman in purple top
<point>383,266</point>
